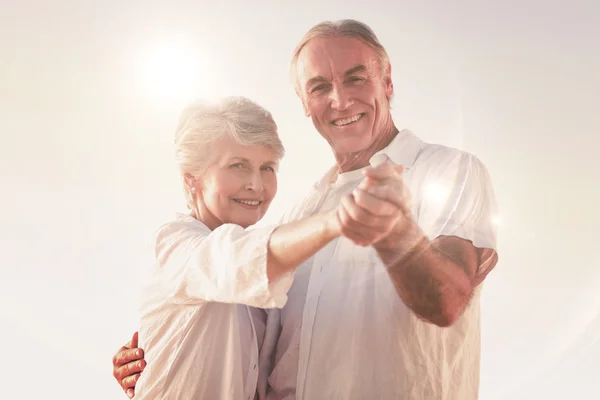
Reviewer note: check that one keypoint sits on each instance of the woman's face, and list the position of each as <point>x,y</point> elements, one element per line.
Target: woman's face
<point>238,187</point>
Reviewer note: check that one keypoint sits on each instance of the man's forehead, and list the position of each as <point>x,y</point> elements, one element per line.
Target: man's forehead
<point>324,56</point>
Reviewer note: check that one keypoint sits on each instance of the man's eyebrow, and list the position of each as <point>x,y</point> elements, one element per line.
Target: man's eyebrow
<point>242,159</point>
<point>355,69</point>
<point>351,71</point>
<point>315,80</point>
<point>320,79</point>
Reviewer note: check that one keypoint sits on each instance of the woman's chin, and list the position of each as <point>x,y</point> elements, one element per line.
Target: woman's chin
<point>246,224</point>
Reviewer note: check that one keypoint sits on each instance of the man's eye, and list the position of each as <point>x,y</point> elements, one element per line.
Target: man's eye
<point>237,165</point>
<point>317,88</point>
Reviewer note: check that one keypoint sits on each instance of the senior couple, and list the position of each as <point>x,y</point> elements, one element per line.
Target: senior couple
<point>366,289</point>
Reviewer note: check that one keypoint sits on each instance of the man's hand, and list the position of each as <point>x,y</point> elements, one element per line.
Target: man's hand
<point>128,363</point>
<point>380,205</point>
<point>385,182</point>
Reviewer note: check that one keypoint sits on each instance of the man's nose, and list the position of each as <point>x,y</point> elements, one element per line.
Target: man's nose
<point>340,98</point>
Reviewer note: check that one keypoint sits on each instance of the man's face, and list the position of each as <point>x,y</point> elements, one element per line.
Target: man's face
<point>345,92</point>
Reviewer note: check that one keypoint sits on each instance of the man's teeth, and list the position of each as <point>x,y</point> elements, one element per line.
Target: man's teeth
<point>346,121</point>
<point>248,202</point>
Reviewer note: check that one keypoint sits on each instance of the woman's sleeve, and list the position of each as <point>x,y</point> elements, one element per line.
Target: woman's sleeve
<point>227,265</point>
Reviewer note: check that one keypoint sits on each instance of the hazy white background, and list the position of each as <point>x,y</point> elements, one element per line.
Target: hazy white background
<point>88,107</point>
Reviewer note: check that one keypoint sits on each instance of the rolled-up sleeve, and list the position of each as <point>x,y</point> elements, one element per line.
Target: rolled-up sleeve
<point>227,265</point>
<point>458,200</point>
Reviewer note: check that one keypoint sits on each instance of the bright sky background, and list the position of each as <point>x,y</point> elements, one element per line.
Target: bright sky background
<point>87,116</point>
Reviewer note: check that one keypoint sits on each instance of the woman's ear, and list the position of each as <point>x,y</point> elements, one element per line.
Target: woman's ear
<point>190,182</point>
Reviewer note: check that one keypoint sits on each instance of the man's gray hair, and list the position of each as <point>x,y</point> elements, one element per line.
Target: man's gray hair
<point>203,124</point>
<point>343,27</point>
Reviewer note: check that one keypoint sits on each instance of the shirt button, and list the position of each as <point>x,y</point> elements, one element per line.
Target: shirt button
<point>254,366</point>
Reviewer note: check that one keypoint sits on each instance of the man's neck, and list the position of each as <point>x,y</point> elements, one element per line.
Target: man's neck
<point>353,161</point>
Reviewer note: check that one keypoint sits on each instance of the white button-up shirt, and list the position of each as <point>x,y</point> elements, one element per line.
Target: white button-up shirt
<point>344,332</point>
<point>201,339</point>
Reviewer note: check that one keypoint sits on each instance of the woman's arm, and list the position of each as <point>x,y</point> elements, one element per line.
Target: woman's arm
<point>293,243</point>
<point>235,265</point>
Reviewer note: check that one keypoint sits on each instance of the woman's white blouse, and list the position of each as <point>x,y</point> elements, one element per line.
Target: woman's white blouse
<point>201,339</point>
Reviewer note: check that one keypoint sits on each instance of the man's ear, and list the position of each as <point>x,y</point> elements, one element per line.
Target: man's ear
<point>387,79</point>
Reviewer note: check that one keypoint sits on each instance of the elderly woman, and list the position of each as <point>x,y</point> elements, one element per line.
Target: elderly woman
<point>200,336</point>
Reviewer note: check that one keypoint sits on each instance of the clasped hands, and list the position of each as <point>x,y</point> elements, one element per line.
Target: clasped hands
<point>378,207</point>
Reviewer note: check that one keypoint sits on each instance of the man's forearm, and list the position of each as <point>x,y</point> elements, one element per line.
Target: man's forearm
<point>433,278</point>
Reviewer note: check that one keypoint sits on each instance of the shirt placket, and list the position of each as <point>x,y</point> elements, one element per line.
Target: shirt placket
<point>252,377</point>
<point>315,284</point>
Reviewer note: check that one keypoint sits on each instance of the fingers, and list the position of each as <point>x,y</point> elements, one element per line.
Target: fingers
<point>362,226</point>
<point>375,207</point>
<point>374,204</point>
<point>384,171</point>
<point>396,195</point>
<point>127,366</point>
<point>132,367</point>
<point>119,356</point>
<point>362,217</point>
<point>399,169</point>
<point>351,229</point>
<point>128,384</point>
<point>128,375</point>
<point>125,356</point>
<point>128,363</point>
<point>386,183</point>
<point>134,340</point>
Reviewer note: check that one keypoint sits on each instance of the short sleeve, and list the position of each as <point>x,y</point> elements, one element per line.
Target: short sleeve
<point>457,199</point>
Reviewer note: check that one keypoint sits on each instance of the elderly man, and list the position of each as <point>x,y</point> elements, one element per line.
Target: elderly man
<point>399,319</point>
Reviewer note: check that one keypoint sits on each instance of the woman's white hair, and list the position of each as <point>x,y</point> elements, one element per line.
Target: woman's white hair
<point>203,124</point>
<point>343,27</point>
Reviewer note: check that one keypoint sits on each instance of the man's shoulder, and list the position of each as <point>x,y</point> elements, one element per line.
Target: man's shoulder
<point>440,157</point>
<point>433,151</point>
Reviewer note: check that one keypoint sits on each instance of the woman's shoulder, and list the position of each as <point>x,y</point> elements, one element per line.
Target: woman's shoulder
<point>182,224</point>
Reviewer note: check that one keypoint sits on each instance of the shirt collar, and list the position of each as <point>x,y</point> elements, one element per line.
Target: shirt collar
<point>402,150</point>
